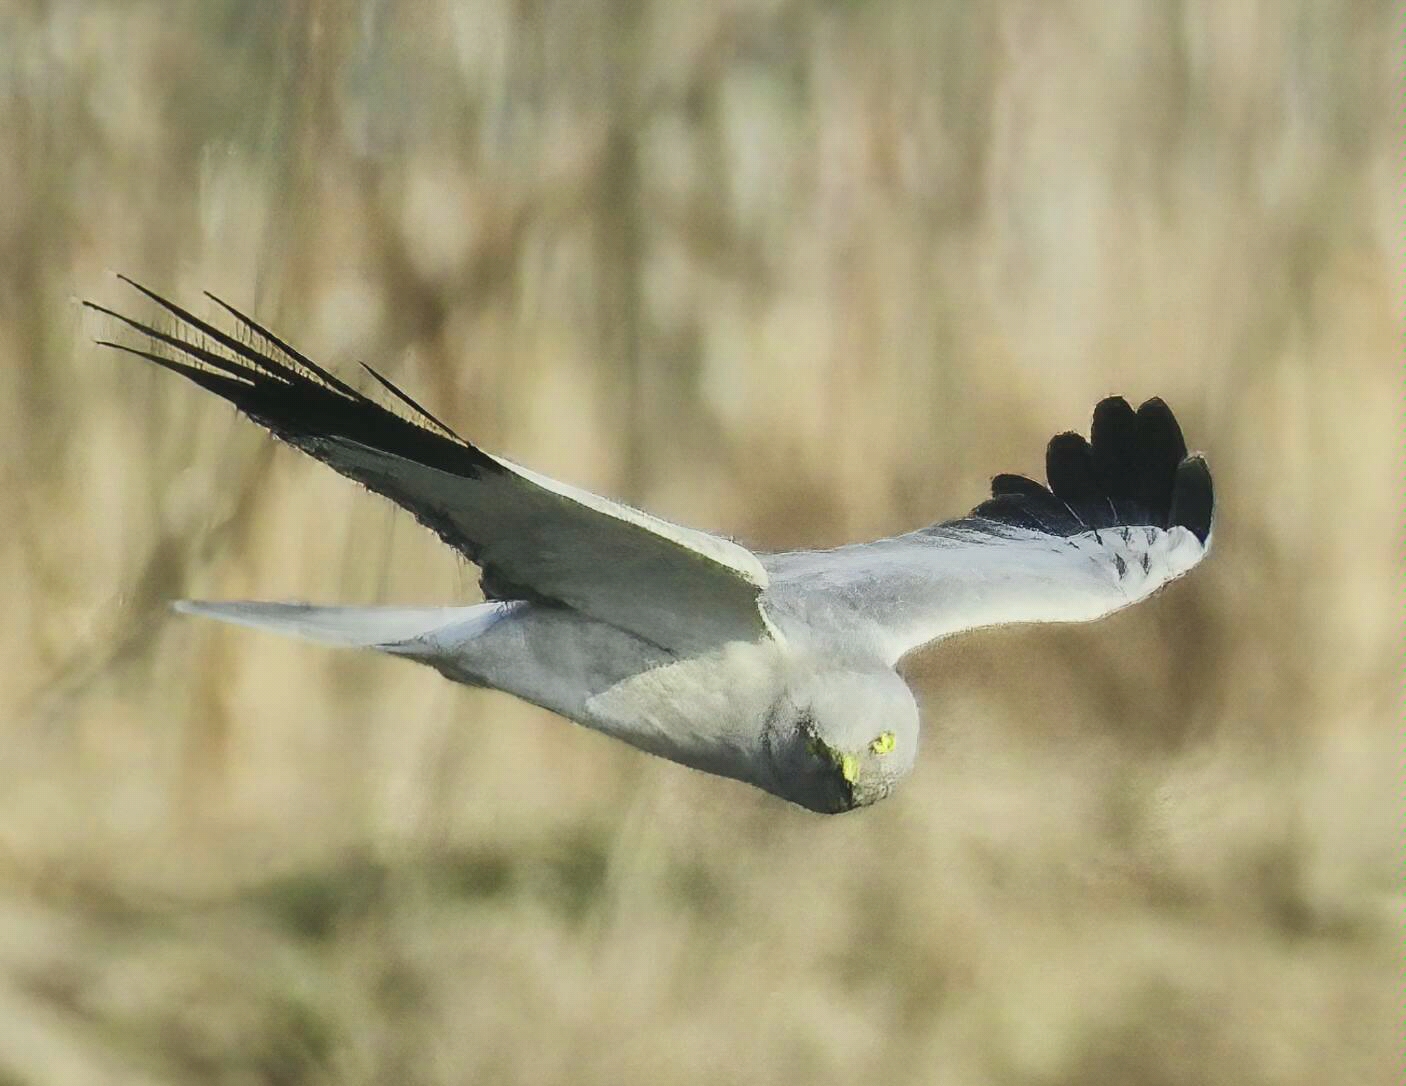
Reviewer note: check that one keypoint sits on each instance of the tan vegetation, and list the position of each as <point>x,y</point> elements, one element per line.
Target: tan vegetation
<point>800,271</point>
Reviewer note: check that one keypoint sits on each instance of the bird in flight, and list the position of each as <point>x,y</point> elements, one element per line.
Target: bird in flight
<point>773,669</point>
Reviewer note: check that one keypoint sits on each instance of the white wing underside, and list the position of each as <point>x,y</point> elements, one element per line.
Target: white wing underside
<point>904,592</point>
<point>679,588</point>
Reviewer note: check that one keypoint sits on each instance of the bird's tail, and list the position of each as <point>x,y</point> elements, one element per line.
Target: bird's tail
<point>404,631</point>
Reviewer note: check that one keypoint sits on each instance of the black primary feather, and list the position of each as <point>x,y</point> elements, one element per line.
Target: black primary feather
<point>303,404</point>
<point>1134,472</point>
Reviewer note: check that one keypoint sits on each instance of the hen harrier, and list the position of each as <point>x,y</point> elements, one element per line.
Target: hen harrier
<point>773,669</point>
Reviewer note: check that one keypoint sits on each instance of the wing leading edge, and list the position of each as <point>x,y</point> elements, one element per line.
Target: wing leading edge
<point>533,538</point>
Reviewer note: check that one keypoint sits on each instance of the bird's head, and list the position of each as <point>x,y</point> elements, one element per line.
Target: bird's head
<point>842,739</point>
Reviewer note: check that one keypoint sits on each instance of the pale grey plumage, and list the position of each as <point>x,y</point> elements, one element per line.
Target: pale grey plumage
<point>776,670</point>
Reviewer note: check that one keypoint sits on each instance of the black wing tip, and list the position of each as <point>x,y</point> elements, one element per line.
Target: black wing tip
<point>1135,470</point>
<point>414,405</point>
<point>1068,439</point>
<point>97,307</point>
<point>1116,403</point>
<point>1010,484</point>
<point>153,295</point>
<point>1194,498</point>
<point>291,396</point>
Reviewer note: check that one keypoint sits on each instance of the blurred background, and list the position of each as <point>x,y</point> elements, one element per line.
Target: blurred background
<point>801,271</point>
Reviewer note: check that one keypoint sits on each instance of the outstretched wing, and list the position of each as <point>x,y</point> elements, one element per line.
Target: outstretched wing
<point>1122,515</point>
<point>533,538</point>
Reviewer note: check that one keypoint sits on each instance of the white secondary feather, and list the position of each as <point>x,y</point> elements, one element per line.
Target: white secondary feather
<point>901,593</point>
<point>716,549</point>
<point>679,588</point>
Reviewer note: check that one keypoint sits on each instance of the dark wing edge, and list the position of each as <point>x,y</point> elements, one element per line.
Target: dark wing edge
<point>1134,472</point>
<point>704,589</point>
<point>306,406</point>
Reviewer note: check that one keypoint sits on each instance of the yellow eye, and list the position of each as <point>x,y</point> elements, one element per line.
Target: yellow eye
<point>883,744</point>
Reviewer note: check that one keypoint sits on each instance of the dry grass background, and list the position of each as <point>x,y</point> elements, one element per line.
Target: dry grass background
<point>803,272</point>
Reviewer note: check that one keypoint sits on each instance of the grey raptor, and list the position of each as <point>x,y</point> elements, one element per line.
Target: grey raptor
<point>773,669</point>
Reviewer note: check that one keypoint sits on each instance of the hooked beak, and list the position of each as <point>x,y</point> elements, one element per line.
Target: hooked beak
<point>846,770</point>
